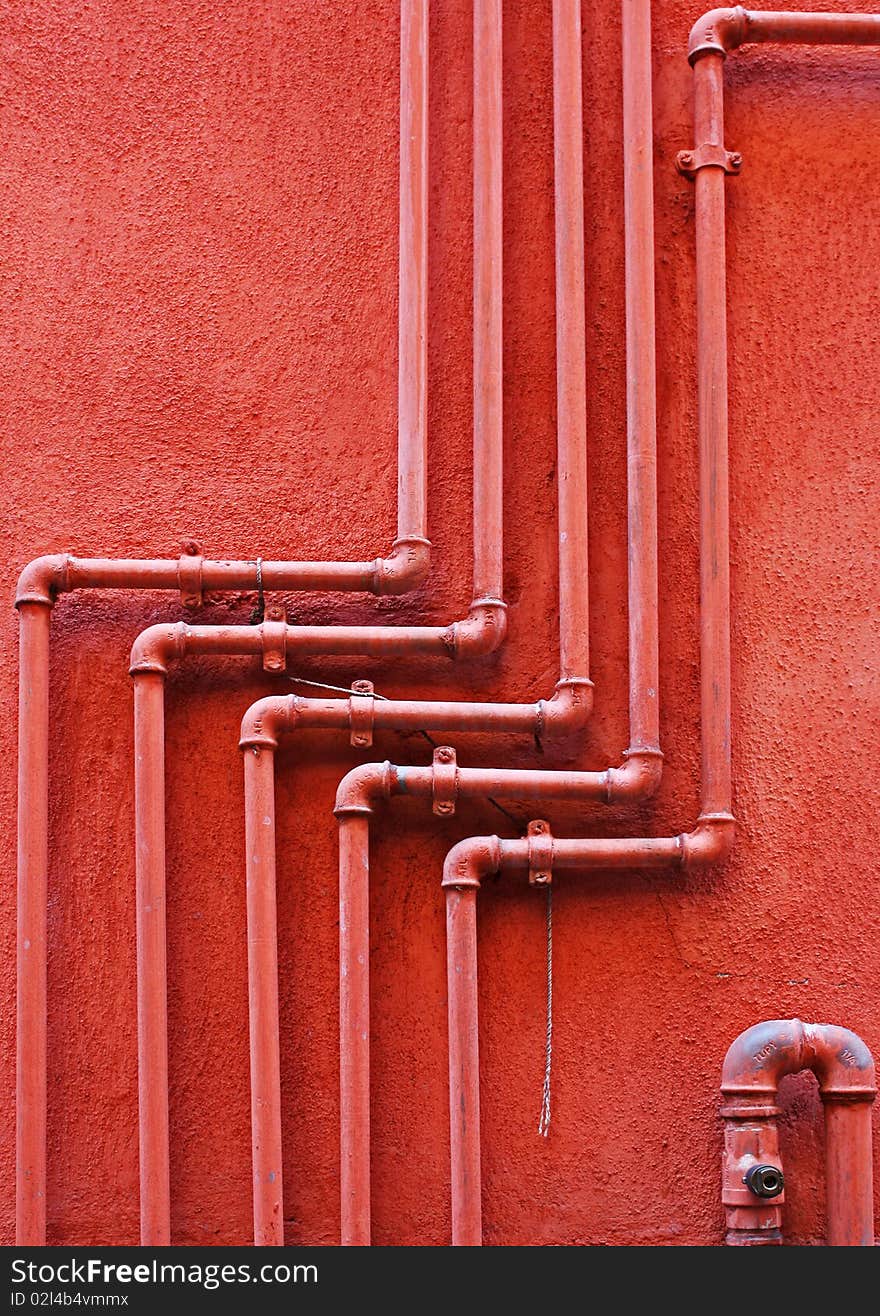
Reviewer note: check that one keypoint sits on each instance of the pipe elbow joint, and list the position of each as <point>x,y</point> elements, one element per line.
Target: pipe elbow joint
<point>43,579</point>
<point>472,859</point>
<point>709,843</point>
<point>363,788</point>
<point>155,647</point>
<point>637,780</point>
<point>266,720</point>
<point>766,1052</point>
<point>569,711</point>
<point>717,32</point>
<point>482,632</point>
<point>405,568</point>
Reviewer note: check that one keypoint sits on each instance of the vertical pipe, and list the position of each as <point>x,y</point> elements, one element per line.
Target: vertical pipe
<point>33,859</point>
<point>354,1024</point>
<point>412,424</point>
<point>464,1065</point>
<point>641,388</point>
<point>149,795</point>
<point>262,941</point>
<point>488,321</point>
<point>712,424</point>
<point>568,168</point>
<point>849,1193</point>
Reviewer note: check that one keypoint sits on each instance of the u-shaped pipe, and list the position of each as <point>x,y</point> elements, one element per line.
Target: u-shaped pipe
<point>752,1181</point>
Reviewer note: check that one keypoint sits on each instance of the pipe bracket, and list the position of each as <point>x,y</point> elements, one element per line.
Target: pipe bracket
<point>273,631</point>
<point>709,154</point>
<point>362,706</point>
<point>540,840</point>
<point>189,574</point>
<point>444,780</point>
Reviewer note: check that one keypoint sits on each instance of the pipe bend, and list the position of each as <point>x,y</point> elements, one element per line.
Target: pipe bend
<point>718,31</point>
<point>265,720</point>
<point>638,779</point>
<point>43,579</point>
<point>842,1063</point>
<point>766,1052</point>
<point>405,568</point>
<point>156,646</point>
<point>710,842</point>
<point>483,632</point>
<point>363,788</point>
<point>568,711</point>
<point>761,1056</point>
<point>470,860</point>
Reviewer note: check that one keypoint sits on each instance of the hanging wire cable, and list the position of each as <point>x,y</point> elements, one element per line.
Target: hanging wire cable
<point>544,1122</point>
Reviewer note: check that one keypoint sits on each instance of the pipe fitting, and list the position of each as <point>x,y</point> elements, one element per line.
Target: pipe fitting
<point>717,32</point>
<point>637,780</point>
<point>405,568</point>
<point>266,720</point>
<point>482,632</point>
<point>156,646</point>
<point>43,579</point>
<point>568,712</point>
<point>472,859</point>
<point>709,843</point>
<point>363,788</point>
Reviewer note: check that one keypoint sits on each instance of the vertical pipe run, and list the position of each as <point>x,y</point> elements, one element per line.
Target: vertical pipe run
<point>488,322</point>
<point>568,170</point>
<point>412,357</point>
<point>33,860</point>
<point>641,386</point>
<point>849,1197</point>
<point>262,941</point>
<point>149,794</point>
<point>354,1027</point>
<point>712,424</point>
<point>464,1065</point>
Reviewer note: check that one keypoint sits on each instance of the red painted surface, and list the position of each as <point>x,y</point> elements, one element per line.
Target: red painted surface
<point>199,261</point>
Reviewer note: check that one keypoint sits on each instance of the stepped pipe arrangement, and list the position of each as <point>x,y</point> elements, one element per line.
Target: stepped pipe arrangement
<point>710,841</point>
<point>404,569</point>
<point>752,1179</point>
<point>566,712</point>
<point>480,633</point>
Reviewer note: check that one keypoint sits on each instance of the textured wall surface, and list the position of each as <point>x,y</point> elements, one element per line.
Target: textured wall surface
<point>198,258</point>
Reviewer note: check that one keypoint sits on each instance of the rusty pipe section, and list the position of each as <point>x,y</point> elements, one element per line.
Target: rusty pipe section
<point>752,1174</point>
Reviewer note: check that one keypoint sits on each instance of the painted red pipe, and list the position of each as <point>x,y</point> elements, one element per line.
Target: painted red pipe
<point>464,1097</point>
<point>752,1176</point>
<point>480,633</point>
<point>43,579</point>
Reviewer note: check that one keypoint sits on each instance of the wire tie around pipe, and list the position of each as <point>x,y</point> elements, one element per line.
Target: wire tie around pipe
<point>544,1121</point>
<point>339,689</point>
<point>259,612</point>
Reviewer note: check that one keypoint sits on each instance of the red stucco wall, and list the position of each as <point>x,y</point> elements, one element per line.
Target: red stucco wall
<point>198,252</point>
